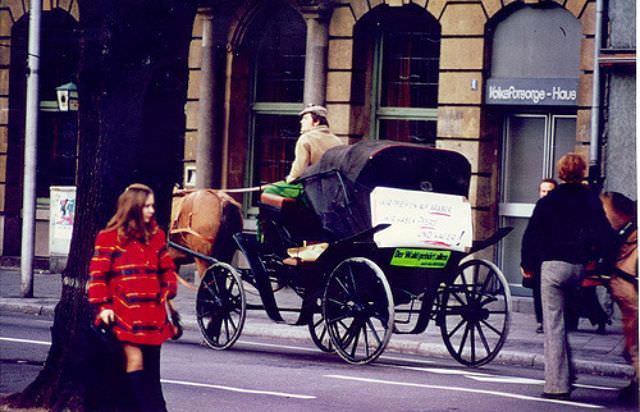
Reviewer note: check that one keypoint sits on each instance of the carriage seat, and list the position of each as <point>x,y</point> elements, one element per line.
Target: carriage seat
<point>277,201</point>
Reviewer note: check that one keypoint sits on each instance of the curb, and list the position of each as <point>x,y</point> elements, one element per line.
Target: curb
<point>397,344</point>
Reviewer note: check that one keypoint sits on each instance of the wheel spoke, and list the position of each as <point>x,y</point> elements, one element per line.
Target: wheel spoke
<point>213,328</point>
<point>374,331</point>
<point>322,334</point>
<point>225,329</point>
<point>366,339</point>
<point>464,339</point>
<point>205,314</point>
<point>343,286</point>
<point>473,341</point>
<point>356,339</point>
<point>476,272</point>
<point>339,319</point>
<point>483,338</point>
<point>488,280</point>
<point>211,291</point>
<point>455,295</point>
<point>232,322</point>
<point>497,312</point>
<point>336,302</point>
<point>216,283</point>
<point>353,282</point>
<point>453,332</point>
<point>490,326</point>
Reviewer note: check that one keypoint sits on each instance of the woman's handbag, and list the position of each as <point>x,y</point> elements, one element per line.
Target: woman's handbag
<point>104,337</point>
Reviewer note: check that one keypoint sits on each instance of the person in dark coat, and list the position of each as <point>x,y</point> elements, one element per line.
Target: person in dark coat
<point>544,188</point>
<point>131,278</point>
<point>567,230</point>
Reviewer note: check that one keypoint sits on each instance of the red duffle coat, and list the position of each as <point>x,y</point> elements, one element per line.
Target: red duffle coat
<point>133,279</point>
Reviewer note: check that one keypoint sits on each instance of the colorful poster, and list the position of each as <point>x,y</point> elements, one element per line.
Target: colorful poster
<point>62,208</point>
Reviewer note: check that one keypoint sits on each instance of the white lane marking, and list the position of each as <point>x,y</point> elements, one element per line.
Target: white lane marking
<point>603,388</point>
<point>530,381</point>
<point>469,390</point>
<point>507,379</point>
<point>398,359</point>
<point>241,390</point>
<point>441,371</point>
<point>273,345</point>
<point>35,342</point>
<point>316,350</point>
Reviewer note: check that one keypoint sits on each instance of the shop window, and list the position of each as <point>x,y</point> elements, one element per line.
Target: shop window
<point>277,96</point>
<point>406,68</point>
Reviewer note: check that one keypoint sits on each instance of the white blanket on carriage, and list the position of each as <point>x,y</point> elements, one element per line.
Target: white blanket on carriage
<point>421,219</point>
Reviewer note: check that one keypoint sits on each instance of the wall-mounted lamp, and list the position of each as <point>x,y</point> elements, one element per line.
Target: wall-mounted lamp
<point>67,95</point>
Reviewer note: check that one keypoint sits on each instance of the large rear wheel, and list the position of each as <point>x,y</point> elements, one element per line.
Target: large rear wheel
<point>358,310</point>
<point>475,313</point>
<point>221,306</point>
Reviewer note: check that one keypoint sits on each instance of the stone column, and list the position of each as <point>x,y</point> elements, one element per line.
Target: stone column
<point>315,69</point>
<point>206,174</point>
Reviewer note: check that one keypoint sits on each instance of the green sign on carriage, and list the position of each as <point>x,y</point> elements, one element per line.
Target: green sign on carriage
<point>420,258</point>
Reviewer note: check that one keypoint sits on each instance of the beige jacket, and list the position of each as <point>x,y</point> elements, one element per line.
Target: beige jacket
<point>310,147</point>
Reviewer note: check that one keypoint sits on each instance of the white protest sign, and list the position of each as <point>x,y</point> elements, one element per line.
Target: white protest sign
<point>421,219</point>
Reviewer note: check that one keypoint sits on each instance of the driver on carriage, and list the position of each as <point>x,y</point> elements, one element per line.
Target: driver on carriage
<point>315,139</point>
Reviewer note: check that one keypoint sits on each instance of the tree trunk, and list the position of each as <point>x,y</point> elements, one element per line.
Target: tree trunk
<point>132,88</point>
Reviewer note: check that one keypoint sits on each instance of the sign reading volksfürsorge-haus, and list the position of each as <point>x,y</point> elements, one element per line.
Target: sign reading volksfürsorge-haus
<point>532,92</point>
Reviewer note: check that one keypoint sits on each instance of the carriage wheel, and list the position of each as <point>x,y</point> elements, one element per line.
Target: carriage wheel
<point>358,310</point>
<point>475,313</point>
<point>221,306</point>
<point>319,333</point>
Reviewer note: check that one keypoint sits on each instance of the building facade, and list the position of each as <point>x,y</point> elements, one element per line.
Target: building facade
<point>507,83</point>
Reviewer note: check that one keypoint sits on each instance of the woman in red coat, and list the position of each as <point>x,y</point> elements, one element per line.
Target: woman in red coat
<point>131,279</point>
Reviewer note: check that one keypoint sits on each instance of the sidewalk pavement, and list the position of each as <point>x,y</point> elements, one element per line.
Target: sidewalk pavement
<point>593,353</point>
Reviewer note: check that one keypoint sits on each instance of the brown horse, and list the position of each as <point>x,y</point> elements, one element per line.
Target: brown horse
<point>204,221</point>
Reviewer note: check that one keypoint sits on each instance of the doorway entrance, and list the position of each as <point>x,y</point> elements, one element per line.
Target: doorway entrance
<point>532,144</point>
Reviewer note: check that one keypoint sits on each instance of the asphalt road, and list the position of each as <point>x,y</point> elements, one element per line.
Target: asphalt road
<point>260,374</point>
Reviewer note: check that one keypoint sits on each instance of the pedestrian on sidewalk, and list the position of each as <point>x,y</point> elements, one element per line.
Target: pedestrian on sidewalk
<point>567,230</point>
<point>621,213</point>
<point>131,279</point>
<point>544,187</point>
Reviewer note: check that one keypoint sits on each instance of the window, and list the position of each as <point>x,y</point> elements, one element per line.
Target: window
<point>405,78</point>
<point>277,96</point>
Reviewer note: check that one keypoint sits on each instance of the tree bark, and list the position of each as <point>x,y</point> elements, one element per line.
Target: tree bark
<point>132,85</point>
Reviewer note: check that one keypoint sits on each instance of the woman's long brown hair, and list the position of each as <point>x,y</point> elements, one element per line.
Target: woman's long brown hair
<point>128,219</point>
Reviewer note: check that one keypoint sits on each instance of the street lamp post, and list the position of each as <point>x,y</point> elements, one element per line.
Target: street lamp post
<point>30,151</point>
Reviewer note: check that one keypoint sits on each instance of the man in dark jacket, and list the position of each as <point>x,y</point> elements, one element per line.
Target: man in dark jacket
<point>568,229</point>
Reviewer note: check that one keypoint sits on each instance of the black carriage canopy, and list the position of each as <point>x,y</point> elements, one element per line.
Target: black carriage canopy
<point>338,186</point>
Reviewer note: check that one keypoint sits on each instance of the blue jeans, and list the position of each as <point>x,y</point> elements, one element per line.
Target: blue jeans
<point>557,280</point>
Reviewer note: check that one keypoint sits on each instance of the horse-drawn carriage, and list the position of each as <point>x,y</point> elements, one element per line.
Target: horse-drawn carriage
<point>377,244</point>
